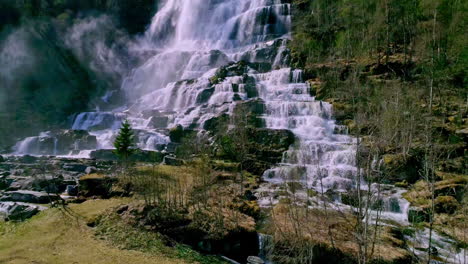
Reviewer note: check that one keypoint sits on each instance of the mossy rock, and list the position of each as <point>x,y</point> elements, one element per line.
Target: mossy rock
<point>176,134</point>
<point>446,205</point>
<point>399,168</point>
<point>454,185</point>
<point>96,185</point>
<point>250,208</point>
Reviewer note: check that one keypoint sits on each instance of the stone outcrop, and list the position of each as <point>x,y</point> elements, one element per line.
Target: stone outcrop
<point>29,197</point>
<point>16,211</point>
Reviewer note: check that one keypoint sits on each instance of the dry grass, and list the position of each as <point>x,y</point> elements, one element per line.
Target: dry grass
<point>58,237</point>
<point>301,227</point>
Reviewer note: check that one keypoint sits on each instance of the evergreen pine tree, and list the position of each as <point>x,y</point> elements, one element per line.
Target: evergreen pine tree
<point>124,143</point>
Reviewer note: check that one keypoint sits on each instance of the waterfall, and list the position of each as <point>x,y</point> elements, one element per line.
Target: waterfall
<point>185,46</point>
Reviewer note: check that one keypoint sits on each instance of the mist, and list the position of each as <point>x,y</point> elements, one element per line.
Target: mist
<point>54,68</point>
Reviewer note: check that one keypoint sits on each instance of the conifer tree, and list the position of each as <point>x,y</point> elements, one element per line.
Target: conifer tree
<point>124,143</point>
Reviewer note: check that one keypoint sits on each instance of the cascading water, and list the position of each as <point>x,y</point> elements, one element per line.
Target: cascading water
<point>186,43</point>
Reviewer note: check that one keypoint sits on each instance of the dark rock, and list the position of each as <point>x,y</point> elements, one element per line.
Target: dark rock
<point>103,154</point>
<point>29,197</point>
<point>28,159</point>
<point>279,138</point>
<point>216,124</point>
<point>13,211</point>
<point>147,156</point>
<point>171,147</point>
<point>158,122</point>
<point>177,133</point>
<point>172,161</point>
<point>72,190</point>
<point>2,159</point>
<point>398,167</point>
<point>122,209</point>
<point>75,167</point>
<point>96,185</point>
<point>205,96</point>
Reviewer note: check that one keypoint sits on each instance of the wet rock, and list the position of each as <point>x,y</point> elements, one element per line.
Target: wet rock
<point>158,122</point>
<point>29,197</point>
<point>177,133</point>
<point>2,159</point>
<point>205,95</point>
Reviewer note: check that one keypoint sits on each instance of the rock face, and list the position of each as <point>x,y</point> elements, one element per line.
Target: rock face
<point>29,197</point>
<point>62,142</point>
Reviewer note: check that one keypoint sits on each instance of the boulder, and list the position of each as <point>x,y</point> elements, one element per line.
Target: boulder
<point>29,197</point>
<point>78,167</point>
<point>14,211</point>
<point>96,185</point>
<point>205,95</point>
<point>2,159</point>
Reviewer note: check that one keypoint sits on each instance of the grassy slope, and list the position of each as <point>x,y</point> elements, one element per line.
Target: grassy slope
<point>56,237</point>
